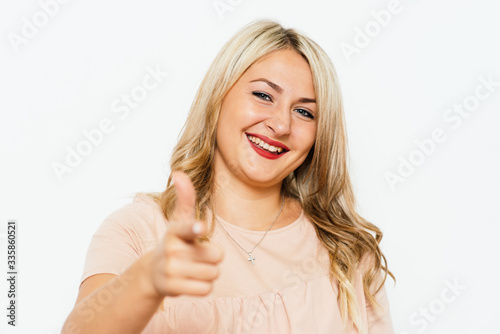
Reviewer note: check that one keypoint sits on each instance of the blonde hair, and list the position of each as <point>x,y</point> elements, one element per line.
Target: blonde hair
<point>321,184</point>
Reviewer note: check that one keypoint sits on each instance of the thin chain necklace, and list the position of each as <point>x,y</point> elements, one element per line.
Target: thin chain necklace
<point>251,258</point>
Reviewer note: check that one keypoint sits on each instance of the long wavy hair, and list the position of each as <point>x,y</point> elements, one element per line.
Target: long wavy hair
<point>321,184</point>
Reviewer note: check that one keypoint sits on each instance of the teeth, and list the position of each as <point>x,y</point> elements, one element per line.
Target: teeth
<point>265,145</point>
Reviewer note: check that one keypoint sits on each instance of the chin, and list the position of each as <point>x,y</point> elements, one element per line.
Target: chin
<point>257,178</point>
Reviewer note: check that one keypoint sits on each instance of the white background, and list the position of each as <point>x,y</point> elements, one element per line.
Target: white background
<point>441,224</point>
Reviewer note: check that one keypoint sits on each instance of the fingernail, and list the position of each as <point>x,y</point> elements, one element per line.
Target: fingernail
<point>197,228</point>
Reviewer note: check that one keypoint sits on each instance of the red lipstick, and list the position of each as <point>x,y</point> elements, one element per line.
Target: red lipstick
<point>269,141</point>
<point>264,153</point>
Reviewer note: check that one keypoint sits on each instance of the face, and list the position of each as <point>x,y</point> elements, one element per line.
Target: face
<point>267,124</point>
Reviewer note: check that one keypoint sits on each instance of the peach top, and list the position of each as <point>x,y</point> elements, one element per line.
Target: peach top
<point>288,290</point>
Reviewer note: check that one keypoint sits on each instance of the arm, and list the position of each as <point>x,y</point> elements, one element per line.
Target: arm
<point>379,321</point>
<point>115,304</point>
<point>378,318</point>
<point>178,265</point>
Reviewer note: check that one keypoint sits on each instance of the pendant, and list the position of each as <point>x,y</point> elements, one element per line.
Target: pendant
<point>250,257</point>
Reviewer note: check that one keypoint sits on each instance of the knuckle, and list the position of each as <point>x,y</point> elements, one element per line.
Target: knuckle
<point>173,248</point>
<point>214,272</point>
<point>216,254</point>
<point>219,254</point>
<point>171,268</point>
<point>205,288</point>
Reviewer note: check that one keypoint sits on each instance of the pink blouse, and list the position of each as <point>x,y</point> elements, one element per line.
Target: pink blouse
<point>287,290</point>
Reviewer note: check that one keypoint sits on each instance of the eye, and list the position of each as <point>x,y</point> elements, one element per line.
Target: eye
<point>262,96</point>
<point>305,113</point>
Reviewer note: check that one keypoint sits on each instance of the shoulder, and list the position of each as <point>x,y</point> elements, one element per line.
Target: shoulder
<point>123,236</point>
<point>142,208</point>
<point>142,218</point>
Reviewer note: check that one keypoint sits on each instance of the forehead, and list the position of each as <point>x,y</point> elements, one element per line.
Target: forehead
<point>287,68</point>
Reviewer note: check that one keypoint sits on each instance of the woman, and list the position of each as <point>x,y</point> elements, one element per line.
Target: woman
<point>256,231</point>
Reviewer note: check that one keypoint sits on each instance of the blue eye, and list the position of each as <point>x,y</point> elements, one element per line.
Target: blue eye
<point>305,113</point>
<point>262,96</point>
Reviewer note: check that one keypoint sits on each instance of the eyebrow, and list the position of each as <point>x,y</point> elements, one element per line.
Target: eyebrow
<point>278,89</point>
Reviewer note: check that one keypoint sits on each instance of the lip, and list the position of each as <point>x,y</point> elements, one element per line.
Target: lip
<point>269,141</point>
<point>264,153</point>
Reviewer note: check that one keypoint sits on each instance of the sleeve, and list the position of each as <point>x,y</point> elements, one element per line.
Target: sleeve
<point>121,239</point>
<point>379,321</point>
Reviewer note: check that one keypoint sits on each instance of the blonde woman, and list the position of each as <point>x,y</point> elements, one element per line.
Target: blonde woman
<point>257,230</point>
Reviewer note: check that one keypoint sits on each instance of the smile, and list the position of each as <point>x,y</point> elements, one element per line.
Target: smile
<point>270,151</point>
<point>262,144</point>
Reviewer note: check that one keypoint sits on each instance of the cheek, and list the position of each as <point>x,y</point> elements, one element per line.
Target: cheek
<point>313,137</point>
<point>243,116</point>
<point>234,109</point>
<point>306,137</point>
<point>249,113</point>
<point>227,119</point>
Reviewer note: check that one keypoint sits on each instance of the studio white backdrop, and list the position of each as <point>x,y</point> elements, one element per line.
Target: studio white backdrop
<point>94,95</point>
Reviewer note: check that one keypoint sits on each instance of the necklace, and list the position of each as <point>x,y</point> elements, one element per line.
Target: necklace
<point>251,258</point>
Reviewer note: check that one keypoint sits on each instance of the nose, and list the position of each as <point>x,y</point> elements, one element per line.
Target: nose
<point>279,122</point>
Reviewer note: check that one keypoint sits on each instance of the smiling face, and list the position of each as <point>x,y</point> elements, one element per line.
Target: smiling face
<point>267,123</point>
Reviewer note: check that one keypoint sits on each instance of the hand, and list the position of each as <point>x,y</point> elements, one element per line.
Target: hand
<point>179,265</point>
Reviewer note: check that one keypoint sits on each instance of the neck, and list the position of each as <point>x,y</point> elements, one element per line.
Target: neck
<point>247,207</point>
